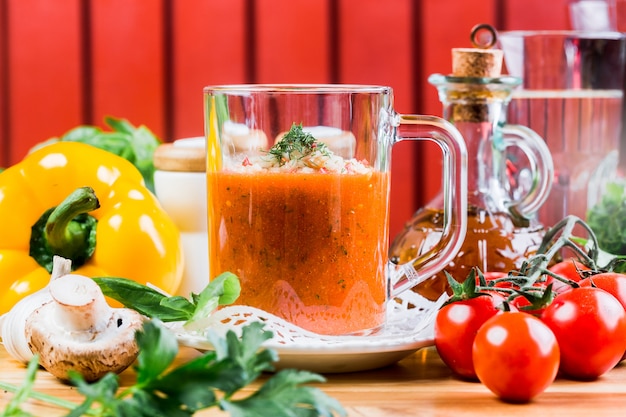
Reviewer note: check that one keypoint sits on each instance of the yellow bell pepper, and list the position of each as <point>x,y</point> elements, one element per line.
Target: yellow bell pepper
<point>122,231</point>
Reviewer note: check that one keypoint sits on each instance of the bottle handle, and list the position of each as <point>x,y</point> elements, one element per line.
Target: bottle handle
<point>541,168</point>
<point>454,183</point>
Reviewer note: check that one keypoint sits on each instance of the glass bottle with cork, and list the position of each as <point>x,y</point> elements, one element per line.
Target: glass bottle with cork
<point>509,172</point>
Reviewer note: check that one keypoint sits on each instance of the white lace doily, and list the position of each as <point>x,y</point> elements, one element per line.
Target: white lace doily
<point>409,323</point>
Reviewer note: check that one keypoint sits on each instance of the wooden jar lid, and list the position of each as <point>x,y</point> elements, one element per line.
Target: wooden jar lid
<point>169,157</point>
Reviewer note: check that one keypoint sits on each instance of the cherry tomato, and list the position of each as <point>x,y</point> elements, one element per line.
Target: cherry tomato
<point>570,269</point>
<point>491,276</point>
<point>456,325</point>
<point>590,326</point>
<point>612,282</point>
<point>516,356</point>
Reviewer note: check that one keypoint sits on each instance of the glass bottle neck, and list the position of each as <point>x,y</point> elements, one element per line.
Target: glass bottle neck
<point>477,108</point>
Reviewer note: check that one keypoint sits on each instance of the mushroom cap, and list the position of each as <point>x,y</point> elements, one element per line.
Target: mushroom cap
<point>110,350</point>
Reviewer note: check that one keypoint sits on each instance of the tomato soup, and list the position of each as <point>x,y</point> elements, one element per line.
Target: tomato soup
<point>309,247</point>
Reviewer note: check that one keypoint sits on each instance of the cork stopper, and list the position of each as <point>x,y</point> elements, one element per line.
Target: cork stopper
<point>481,61</point>
<point>472,62</point>
<point>478,62</point>
<point>180,156</point>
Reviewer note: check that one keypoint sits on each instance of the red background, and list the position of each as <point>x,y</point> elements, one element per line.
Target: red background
<point>63,63</point>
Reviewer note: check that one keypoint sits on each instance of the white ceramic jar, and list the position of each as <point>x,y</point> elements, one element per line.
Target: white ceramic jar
<point>180,186</point>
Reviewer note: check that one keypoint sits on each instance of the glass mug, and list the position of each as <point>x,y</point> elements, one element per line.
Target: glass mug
<point>304,225</point>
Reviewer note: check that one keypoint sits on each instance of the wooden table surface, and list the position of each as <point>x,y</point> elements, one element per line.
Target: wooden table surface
<point>420,385</point>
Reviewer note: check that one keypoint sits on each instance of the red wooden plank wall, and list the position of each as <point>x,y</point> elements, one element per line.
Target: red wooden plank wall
<point>71,62</point>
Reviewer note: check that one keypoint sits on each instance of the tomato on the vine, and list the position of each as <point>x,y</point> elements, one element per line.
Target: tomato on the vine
<point>492,275</point>
<point>590,326</point>
<point>612,282</point>
<point>570,269</point>
<point>494,279</point>
<point>516,356</point>
<point>458,321</point>
<point>456,325</point>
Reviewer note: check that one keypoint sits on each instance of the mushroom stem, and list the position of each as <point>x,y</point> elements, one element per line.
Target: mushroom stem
<point>60,267</point>
<point>80,304</point>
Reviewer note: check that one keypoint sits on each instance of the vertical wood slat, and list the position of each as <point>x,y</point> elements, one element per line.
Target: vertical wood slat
<point>127,62</point>
<point>536,14</point>
<point>208,39</point>
<point>437,42</point>
<point>292,41</point>
<point>4,85</point>
<point>375,47</point>
<point>43,71</point>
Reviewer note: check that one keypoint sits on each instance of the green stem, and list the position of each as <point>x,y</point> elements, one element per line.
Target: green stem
<point>66,230</point>
<point>35,395</point>
<point>66,237</point>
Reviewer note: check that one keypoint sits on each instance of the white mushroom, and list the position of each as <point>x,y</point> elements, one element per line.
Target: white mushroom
<point>14,322</point>
<point>79,331</point>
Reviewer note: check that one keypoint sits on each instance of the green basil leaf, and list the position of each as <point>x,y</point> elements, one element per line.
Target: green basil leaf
<point>146,300</point>
<point>113,142</point>
<point>142,142</point>
<point>222,290</point>
<point>81,133</point>
<point>196,312</point>
<point>119,125</point>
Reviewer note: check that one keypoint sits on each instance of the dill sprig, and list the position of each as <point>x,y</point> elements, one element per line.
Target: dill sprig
<point>297,144</point>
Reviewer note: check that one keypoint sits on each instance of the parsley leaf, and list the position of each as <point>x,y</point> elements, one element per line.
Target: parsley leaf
<point>297,144</point>
<point>607,219</point>
<point>210,380</point>
<point>282,395</point>
<point>214,379</point>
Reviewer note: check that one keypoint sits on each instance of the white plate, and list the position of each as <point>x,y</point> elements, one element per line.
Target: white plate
<point>409,328</point>
<point>368,352</point>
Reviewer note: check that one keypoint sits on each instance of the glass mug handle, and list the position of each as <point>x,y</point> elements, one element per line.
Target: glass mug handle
<point>541,167</point>
<point>454,151</point>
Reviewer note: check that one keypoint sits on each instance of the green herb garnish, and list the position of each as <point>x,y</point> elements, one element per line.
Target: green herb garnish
<point>210,380</point>
<point>607,219</point>
<point>214,379</point>
<point>22,393</point>
<point>297,144</point>
<point>222,290</point>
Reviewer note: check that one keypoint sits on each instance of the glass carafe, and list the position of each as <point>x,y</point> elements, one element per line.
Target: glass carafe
<point>509,177</point>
